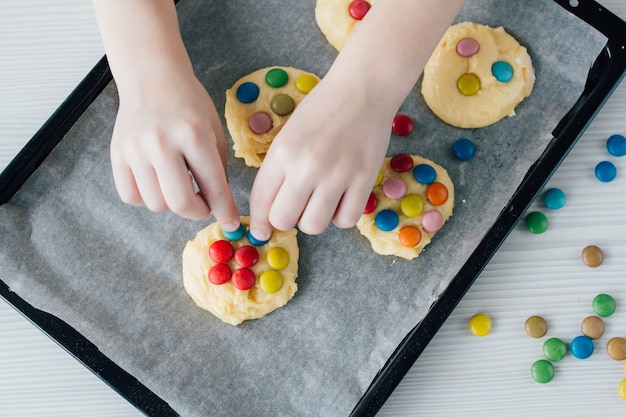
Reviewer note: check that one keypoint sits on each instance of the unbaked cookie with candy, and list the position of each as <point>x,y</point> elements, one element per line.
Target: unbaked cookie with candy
<point>259,104</point>
<point>237,277</point>
<point>338,18</point>
<point>411,200</point>
<point>477,75</point>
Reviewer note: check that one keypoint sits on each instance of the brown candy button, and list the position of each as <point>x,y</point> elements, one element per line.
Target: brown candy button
<point>536,326</point>
<point>616,348</point>
<point>592,327</point>
<point>282,104</point>
<point>592,256</point>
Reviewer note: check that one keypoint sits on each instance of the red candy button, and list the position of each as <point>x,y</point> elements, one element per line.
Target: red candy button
<point>246,256</point>
<point>402,125</point>
<point>243,279</point>
<point>372,202</point>
<point>221,251</point>
<point>219,274</point>
<point>401,162</point>
<point>358,9</point>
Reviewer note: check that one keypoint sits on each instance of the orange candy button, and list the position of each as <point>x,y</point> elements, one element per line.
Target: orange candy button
<point>409,236</point>
<point>437,193</point>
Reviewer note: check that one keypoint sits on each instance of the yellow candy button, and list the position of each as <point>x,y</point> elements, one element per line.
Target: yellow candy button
<point>271,281</point>
<point>305,83</point>
<point>412,205</point>
<point>622,389</point>
<point>480,324</point>
<point>468,84</point>
<point>278,258</point>
<point>379,178</point>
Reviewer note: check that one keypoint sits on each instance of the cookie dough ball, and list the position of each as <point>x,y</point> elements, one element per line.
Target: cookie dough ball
<point>237,278</point>
<point>338,18</point>
<point>259,104</point>
<point>476,76</point>
<point>412,198</point>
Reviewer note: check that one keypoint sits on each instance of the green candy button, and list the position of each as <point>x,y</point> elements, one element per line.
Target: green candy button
<point>554,349</point>
<point>536,222</point>
<point>542,371</point>
<point>604,305</point>
<point>276,77</point>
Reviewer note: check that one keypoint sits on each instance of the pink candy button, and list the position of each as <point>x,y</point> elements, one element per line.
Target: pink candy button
<point>260,123</point>
<point>432,221</point>
<point>467,47</point>
<point>394,188</point>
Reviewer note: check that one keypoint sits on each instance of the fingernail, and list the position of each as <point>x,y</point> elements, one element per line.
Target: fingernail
<point>258,237</point>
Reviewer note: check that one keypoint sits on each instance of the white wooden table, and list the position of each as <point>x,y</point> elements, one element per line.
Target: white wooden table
<point>46,47</point>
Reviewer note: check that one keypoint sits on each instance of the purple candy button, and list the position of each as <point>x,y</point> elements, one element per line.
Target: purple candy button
<point>467,47</point>
<point>260,123</point>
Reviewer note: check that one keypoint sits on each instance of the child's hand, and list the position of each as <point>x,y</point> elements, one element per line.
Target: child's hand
<point>322,165</point>
<point>162,133</point>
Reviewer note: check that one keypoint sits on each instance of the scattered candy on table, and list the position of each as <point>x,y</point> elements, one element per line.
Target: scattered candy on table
<point>616,145</point>
<point>554,349</point>
<point>536,326</point>
<point>581,347</point>
<point>536,222</point>
<point>464,149</point>
<point>604,305</point>
<point>480,324</point>
<point>542,371</point>
<point>605,171</point>
<point>554,198</point>
<point>592,256</point>
<point>592,327</point>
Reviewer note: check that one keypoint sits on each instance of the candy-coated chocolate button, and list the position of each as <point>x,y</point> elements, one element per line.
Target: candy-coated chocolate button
<point>604,305</point>
<point>394,188</point>
<point>243,279</point>
<point>412,205</point>
<point>358,9</point>
<point>305,83</point>
<point>468,84</point>
<point>542,371</point>
<point>616,145</point>
<point>554,198</point>
<point>554,349</point>
<point>536,222</point>
<point>605,171</point>
<point>247,92</point>
<point>621,389</point>
<point>480,324</point>
<point>424,173</point>
<point>432,221</point>
<point>536,326</point>
<point>372,202</point>
<point>437,193</point>
<point>464,149</point>
<point>260,122</point>
<point>401,162</point>
<point>278,258</point>
<point>219,274</point>
<point>409,236</point>
<point>255,241</point>
<point>235,234</point>
<point>379,179</point>
<point>387,220</point>
<point>581,347</point>
<point>592,256</point>
<point>282,104</point>
<point>276,77</point>
<point>221,251</point>
<point>271,281</point>
<point>402,125</point>
<point>503,71</point>
<point>246,256</point>
<point>467,47</point>
<point>592,327</point>
<point>616,348</point>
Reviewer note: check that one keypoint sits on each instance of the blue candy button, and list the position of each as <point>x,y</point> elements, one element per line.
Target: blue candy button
<point>554,198</point>
<point>387,220</point>
<point>424,173</point>
<point>616,145</point>
<point>464,149</point>
<point>255,241</point>
<point>503,71</point>
<point>247,92</point>
<point>235,234</point>
<point>581,347</point>
<point>606,171</point>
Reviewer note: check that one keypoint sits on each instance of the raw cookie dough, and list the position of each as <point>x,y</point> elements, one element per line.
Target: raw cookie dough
<point>476,76</point>
<point>411,200</point>
<point>225,301</point>
<point>338,18</point>
<point>259,104</point>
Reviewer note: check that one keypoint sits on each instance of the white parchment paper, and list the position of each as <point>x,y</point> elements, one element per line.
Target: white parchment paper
<point>112,271</point>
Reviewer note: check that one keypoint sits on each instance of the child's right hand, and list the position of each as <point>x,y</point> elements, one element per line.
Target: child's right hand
<point>167,128</point>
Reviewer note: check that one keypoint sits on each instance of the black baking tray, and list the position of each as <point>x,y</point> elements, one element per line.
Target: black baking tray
<point>606,73</point>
